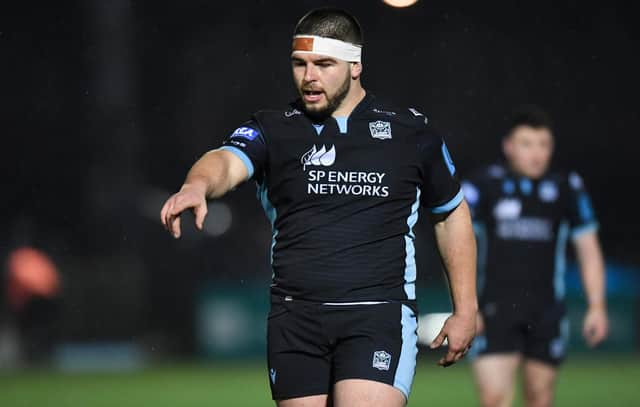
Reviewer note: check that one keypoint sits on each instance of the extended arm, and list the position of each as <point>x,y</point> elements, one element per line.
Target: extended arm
<point>212,176</point>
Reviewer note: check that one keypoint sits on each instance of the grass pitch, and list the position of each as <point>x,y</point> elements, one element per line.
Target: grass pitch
<point>601,381</point>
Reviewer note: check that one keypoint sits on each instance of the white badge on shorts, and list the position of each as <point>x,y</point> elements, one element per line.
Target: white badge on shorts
<point>381,360</point>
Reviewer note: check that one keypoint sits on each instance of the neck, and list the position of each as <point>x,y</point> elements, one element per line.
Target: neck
<point>518,173</point>
<point>355,96</point>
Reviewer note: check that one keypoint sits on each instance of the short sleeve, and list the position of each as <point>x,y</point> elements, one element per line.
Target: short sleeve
<point>581,215</point>
<point>441,191</point>
<point>247,142</point>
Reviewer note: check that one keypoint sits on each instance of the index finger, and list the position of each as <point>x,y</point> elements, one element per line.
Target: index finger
<point>448,359</point>
<point>163,214</point>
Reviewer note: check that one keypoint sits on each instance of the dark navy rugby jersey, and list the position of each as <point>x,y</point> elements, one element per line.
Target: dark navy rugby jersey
<point>343,197</point>
<point>522,228</point>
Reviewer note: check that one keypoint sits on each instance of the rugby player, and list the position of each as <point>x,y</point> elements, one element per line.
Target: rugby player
<point>341,176</point>
<point>524,215</point>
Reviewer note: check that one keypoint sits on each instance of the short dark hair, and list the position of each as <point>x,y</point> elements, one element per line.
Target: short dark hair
<point>529,115</point>
<point>331,23</point>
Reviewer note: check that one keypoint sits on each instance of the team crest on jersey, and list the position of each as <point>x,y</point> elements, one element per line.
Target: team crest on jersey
<point>380,130</point>
<point>318,157</point>
<point>381,360</point>
<point>548,191</point>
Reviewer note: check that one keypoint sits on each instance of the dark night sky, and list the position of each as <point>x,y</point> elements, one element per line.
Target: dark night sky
<point>194,70</point>
<point>101,103</point>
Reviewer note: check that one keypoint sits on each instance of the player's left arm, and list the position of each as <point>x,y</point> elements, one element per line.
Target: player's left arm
<point>590,259</point>
<point>455,240</point>
<point>456,244</point>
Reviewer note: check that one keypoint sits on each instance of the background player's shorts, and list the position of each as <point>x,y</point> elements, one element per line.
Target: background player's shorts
<point>311,346</point>
<point>540,333</point>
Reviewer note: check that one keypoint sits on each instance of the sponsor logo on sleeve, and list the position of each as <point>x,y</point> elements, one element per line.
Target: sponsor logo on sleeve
<point>246,133</point>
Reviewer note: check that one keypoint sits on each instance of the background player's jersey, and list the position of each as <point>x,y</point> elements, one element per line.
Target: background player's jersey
<point>522,228</point>
<point>343,197</point>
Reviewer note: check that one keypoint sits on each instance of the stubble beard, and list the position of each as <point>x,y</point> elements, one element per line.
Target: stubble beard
<point>333,103</point>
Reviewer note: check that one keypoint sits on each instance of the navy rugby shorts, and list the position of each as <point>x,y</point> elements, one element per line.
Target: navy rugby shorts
<point>311,346</point>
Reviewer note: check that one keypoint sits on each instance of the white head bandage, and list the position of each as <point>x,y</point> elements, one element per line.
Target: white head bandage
<point>312,44</point>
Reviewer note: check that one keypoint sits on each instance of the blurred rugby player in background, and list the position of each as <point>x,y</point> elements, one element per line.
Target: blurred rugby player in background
<point>524,215</point>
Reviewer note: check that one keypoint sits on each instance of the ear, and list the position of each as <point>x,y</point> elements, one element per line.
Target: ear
<point>356,70</point>
<point>506,146</point>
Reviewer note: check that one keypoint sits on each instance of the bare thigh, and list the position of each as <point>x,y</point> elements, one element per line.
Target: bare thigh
<point>495,376</point>
<point>308,401</point>
<point>539,383</point>
<point>366,393</point>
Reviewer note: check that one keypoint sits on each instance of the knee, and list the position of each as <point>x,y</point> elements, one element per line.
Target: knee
<point>539,397</point>
<point>495,399</point>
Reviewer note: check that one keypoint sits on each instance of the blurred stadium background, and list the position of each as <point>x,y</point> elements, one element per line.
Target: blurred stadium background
<point>105,105</point>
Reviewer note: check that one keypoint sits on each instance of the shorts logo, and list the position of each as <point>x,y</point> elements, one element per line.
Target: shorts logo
<point>272,374</point>
<point>318,157</point>
<point>381,360</point>
<point>557,348</point>
<point>245,132</point>
<point>380,130</point>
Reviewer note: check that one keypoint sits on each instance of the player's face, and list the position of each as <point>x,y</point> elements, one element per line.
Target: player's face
<point>529,150</point>
<point>322,82</point>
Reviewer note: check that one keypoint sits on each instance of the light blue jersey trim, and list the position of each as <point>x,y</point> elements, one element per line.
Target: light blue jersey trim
<point>410,258</point>
<point>270,211</point>
<point>342,123</point>
<point>482,241</point>
<point>452,204</point>
<point>241,155</point>
<point>560,261</point>
<point>447,159</point>
<point>582,229</point>
<point>408,352</point>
